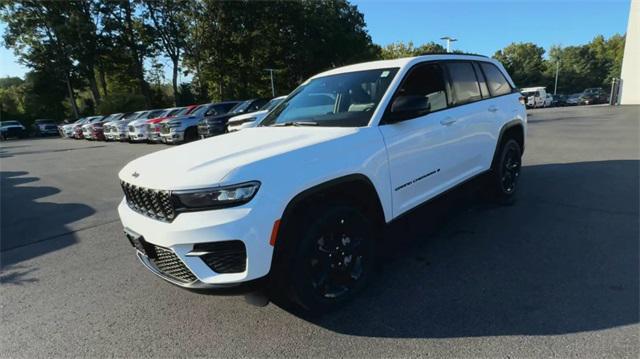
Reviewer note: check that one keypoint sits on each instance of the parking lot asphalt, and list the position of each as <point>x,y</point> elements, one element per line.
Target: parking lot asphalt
<point>555,275</point>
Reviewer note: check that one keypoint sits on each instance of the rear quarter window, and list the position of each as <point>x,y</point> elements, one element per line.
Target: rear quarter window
<point>497,83</point>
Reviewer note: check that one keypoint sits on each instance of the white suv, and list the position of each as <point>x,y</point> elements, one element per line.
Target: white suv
<point>299,202</point>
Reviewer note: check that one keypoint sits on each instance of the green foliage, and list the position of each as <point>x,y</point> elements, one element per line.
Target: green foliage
<point>400,49</point>
<point>120,102</point>
<point>524,63</point>
<point>90,56</point>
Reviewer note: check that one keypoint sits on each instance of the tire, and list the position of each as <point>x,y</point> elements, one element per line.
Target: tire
<point>505,172</point>
<point>190,134</point>
<point>333,258</point>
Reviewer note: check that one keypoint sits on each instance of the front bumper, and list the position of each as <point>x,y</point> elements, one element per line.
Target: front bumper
<point>138,134</point>
<point>208,130</point>
<point>250,225</point>
<point>173,136</point>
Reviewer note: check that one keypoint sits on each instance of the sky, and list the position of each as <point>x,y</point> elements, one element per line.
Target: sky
<point>481,26</point>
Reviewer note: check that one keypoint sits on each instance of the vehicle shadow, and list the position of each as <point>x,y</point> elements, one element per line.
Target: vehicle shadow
<point>563,259</point>
<point>31,227</point>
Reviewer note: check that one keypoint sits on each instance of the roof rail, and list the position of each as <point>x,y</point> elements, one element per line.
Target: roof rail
<point>451,53</point>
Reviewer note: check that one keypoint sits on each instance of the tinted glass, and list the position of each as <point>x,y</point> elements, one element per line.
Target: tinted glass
<point>346,99</point>
<point>240,107</point>
<point>271,104</point>
<point>425,82</point>
<point>482,81</point>
<point>498,84</point>
<point>464,82</point>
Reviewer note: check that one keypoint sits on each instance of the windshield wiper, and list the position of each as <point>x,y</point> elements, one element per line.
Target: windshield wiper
<point>296,123</point>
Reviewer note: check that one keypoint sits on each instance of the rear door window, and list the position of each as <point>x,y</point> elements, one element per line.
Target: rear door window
<point>497,83</point>
<point>464,82</point>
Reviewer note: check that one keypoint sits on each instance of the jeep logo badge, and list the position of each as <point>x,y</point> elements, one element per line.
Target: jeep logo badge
<point>135,174</point>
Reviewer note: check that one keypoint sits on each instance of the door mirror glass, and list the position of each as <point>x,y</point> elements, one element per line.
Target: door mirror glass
<point>409,106</point>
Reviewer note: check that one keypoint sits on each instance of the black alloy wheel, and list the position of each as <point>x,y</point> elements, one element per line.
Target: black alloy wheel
<point>334,259</point>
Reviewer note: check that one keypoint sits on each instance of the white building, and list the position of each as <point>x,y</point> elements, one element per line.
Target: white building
<point>631,60</point>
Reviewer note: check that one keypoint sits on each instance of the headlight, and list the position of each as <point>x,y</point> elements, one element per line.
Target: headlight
<point>218,197</point>
<point>140,126</point>
<point>174,124</point>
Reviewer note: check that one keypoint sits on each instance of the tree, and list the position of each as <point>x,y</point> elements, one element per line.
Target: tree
<point>524,63</point>
<point>170,22</point>
<point>128,31</point>
<point>400,49</point>
<point>40,36</point>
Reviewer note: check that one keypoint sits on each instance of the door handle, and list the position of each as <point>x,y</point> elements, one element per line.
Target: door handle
<point>448,121</point>
<point>492,109</point>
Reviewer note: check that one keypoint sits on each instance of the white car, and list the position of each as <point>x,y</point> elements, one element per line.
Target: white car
<point>536,97</point>
<point>137,130</point>
<point>299,204</point>
<point>252,119</point>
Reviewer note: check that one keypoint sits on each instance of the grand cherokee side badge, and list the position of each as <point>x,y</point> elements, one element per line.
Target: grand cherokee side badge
<point>135,175</point>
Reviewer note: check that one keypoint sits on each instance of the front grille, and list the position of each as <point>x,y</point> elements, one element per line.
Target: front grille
<point>164,129</point>
<point>152,203</point>
<point>169,264</point>
<point>132,129</point>
<point>224,257</point>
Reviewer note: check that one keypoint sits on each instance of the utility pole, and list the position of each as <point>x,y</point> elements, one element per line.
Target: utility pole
<point>273,87</point>
<point>449,40</point>
<point>555,87</point>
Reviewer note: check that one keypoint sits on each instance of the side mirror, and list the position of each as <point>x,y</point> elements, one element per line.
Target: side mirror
<point>407,107</point>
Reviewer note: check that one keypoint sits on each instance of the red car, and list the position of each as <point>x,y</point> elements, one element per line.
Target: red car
<point>77,128</point>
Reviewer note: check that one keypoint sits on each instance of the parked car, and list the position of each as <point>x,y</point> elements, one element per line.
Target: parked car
<point>216,125</point>
<point>252,119</point>
<point>594,95</point>
<point>155,125</point>
<point>78,129</point>
<point>573,99</point>
<point>68,130</point>
<point>118,130</point>
<point>44,127</point>
<point>185,128</point>
<point>299,204</point>
<point>12,129</point>
<point>95,130</point>
<point>535,97</point>
<point>138,128</point>
<point>559,100</point>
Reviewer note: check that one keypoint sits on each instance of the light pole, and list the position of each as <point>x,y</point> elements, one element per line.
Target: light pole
<point>273,88</point>
<point>449,40</point>
<point>555,87</point>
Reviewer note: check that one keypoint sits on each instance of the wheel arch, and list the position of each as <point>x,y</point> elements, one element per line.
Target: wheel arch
<point>512,129</point>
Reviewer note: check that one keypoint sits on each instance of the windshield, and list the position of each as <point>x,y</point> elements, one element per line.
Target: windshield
<point>152,114</point>
<point>200,110</point>
<point>343,100</point>
<point>272,104</point>
<point>176,112</point>
<point>240,107</point>
<point>183,111</point>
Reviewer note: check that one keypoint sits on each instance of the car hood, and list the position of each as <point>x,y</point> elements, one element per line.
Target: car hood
<point>243,117</point>
<point>205,163</point>
<point>12,126</point>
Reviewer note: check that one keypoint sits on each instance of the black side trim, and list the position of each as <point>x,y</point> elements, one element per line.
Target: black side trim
<point>508,125</point>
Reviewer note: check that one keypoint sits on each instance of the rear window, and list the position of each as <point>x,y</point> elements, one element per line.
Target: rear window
<point>498,84</point>
<point>464,82</point>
